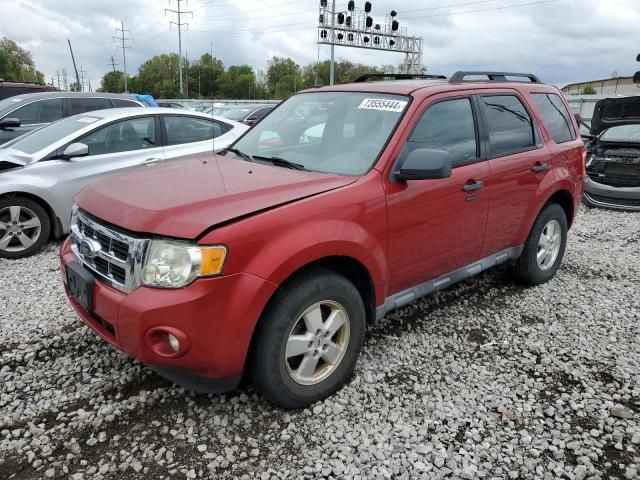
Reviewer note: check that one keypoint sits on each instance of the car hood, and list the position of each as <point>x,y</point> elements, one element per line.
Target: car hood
<point>612,112</point>
<point>183,198</point>
<point>16,156</point>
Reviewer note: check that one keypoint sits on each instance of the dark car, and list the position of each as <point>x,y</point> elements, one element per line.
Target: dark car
<point>23,113</point>
<point>248,114</point>
<point>170,105</point>
<point>11,89</point>
<point>613,155</point>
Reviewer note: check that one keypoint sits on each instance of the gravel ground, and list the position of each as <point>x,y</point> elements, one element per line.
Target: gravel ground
<point>485,380</point>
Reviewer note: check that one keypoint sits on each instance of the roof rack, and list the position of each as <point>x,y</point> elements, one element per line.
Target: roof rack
<point>367,77</point>
<point>494,76</point>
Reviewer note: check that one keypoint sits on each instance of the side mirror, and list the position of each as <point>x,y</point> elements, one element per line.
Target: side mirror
<point>75,150</point>
<point>9,123</point>
<point>423,164</point>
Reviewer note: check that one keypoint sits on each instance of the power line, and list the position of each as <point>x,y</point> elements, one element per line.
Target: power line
<point>123,38</point>
<point>481,10</point>
<point>179,24</point>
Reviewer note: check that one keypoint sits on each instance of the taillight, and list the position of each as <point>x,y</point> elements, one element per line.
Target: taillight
<point>584,163</point>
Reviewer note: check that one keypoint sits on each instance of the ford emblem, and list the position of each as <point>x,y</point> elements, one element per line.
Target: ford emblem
<point>89,248</point>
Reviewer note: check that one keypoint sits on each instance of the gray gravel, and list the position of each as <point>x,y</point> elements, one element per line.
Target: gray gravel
<point>485,380</point>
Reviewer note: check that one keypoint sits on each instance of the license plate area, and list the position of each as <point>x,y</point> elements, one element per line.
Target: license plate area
<point>80,284</point>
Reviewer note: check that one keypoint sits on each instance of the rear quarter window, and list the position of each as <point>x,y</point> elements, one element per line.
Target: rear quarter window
<point>555,116</point>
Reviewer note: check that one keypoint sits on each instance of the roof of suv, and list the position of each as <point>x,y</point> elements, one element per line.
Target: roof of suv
<point>409,86</point>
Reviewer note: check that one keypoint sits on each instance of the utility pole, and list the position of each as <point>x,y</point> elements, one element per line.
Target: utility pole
<point>113,64</point>
<point>179,24</point>
<point>333,40</point>
<point>74,64</point>
<point>58,75</point>
<point>123,38</point>
<point>82,72</point>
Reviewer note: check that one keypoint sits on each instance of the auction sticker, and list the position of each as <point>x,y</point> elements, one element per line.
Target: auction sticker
<point>87,119</point>
<point>383,104</point>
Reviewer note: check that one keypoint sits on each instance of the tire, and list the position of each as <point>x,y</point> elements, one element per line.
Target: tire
<point>276,371</point>
<point>527,268</point>
<point>30,231</point>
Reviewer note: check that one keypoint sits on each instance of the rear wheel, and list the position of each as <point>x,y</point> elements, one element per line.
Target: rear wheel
<point>544,248</point>
<point>24,227</point>
<point>308,340</point>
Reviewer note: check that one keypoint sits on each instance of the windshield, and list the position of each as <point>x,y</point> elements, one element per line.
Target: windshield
<point>10,102</point>
<point>49,134</point>
<point>332,132</point>
<point>622,133</point>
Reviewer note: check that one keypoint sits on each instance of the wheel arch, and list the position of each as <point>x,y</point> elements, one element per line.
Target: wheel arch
<point>56,226</point>
<point>565,200</point>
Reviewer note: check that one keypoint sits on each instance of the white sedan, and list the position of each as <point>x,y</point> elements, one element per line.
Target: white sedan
<point>42,171</point>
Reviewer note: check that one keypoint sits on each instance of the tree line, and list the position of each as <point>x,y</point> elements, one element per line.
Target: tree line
<point>208,78</point>
<point>16,63</point>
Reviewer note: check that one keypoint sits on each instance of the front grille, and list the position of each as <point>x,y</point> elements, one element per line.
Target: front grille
<point>616,202</point>
<point>109,244</point>
<point>112,255</point>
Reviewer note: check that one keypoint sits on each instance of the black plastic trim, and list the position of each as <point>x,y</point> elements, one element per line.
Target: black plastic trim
<point>493,76</point>
<point>196,383</point>
<point>407,296</point>
<point>397,76</point>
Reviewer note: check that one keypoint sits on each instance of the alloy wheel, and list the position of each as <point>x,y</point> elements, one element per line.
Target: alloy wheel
<point>317,342</point>
<point>549,245</point>
<point>20,228</point>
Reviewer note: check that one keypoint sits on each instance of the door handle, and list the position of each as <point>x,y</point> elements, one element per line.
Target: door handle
<point>540,167</point>
<point>470,187</point>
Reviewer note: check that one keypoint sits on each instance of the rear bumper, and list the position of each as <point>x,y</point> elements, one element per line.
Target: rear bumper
<point>213,318</point>
<point>601,195</point>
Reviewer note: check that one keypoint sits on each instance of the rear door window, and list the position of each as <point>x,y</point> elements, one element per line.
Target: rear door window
<point>555,116</point>
<point>82,105</point>
<point>41,111</point>
<point>183,129</point>
<point>448,125</point>
<point>509,125</point>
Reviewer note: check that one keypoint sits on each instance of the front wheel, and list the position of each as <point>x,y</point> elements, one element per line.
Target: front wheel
<point>308,340</point>
<point>24,227</point>
<point>544,248</point>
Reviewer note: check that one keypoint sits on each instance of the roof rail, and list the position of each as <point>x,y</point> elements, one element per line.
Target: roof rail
<point>494,76</point>
<point>367,77</point>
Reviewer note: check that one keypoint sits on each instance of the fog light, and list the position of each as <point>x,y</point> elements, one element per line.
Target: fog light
<point>173,342</point>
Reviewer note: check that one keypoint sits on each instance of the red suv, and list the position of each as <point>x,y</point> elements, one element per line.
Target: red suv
<point>272,258</point>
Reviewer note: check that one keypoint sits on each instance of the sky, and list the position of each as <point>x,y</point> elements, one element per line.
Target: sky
<point>561,41</point>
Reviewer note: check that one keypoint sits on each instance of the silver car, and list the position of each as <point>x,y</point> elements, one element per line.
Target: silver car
<point>42,171</point>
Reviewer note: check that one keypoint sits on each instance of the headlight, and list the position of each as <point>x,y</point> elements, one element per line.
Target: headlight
<point>172,264</point>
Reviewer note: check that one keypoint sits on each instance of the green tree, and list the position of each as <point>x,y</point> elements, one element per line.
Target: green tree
<point>589,90</point>
<point>113,82</point>
<point>345,72</point>
<point>204,76</point>
<point>283,77</point>
<point>16,63</point>
<point>158,76</point>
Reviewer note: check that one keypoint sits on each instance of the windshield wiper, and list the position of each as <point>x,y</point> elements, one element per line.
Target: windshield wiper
<point>240,154</point>
<point>281,162</point>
